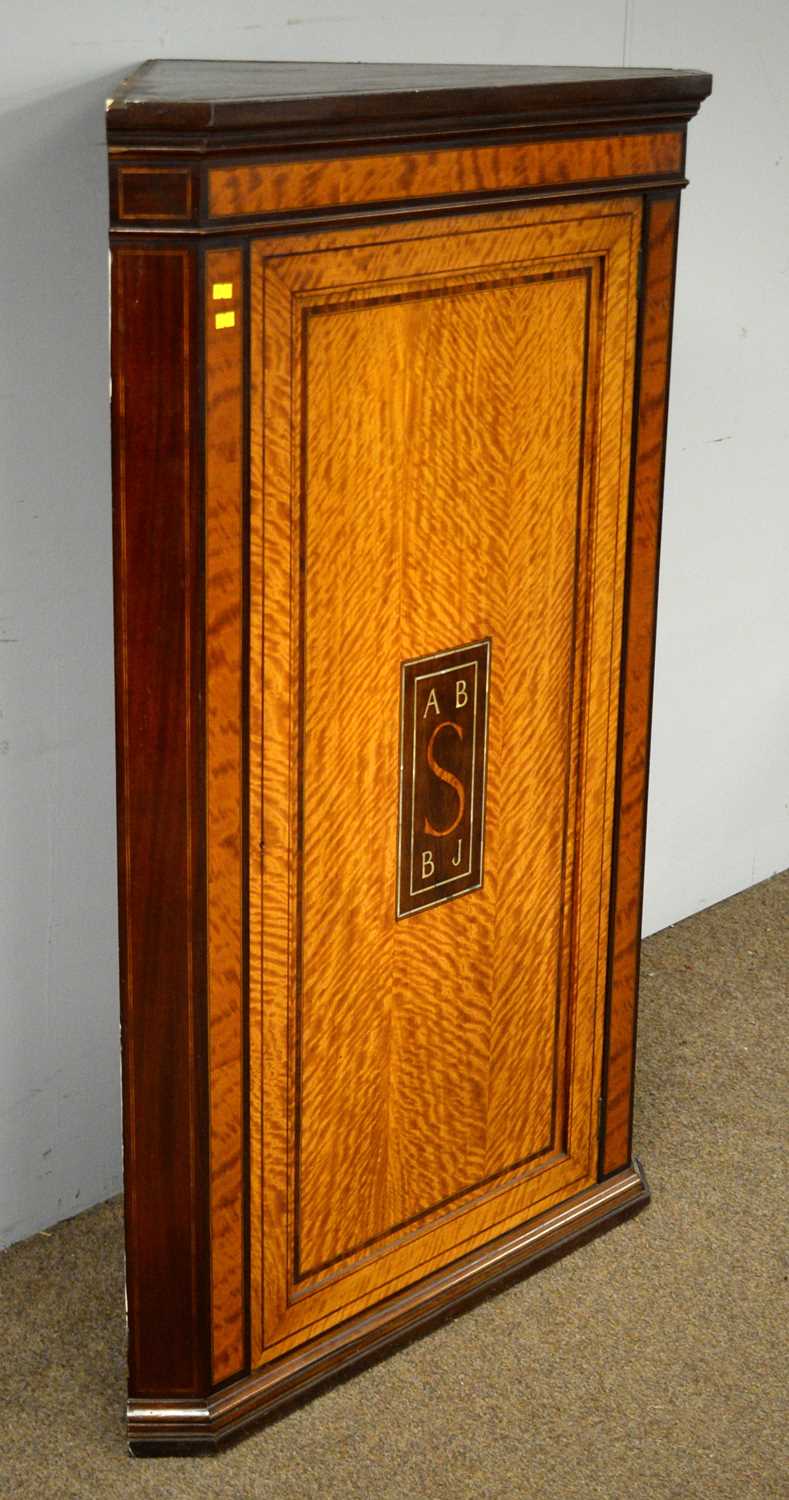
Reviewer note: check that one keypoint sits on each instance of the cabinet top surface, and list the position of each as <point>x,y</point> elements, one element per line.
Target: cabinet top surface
<point>183,96</point>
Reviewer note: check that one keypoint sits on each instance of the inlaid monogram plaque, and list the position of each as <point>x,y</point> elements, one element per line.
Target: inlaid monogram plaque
<point>443,751</point>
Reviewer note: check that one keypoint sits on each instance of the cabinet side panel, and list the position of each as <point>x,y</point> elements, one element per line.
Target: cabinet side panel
<point>660,239</point>
<point>161,860</point>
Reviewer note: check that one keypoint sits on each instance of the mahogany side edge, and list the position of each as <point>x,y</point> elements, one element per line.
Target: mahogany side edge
<point>650,413</point>
<point>158,566</point>
<point>166,1427</point>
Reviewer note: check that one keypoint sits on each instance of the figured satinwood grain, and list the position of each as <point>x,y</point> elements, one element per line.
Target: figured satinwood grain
<point>660,236</point>
<point>457,552</point>
<point>280,187</point>
<point>224,574</point>
<point>443,413</point>
<point>270,786</point>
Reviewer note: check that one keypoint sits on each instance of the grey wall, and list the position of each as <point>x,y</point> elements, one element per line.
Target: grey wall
<point>719,785</point>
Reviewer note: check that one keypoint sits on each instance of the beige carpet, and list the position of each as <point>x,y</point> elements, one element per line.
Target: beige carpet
<point>650,1363</point>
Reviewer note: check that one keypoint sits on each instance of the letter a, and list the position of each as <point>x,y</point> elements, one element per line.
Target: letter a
<point>432,702</point>
<point>461,696</point>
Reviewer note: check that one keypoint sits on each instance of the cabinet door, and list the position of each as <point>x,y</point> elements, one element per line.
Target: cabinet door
<point>440,453</point>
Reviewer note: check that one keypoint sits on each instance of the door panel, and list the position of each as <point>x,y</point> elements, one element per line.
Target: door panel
<point>440,449</point>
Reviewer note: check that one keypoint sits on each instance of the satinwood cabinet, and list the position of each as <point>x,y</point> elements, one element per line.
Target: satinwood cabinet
<point>389,378</point>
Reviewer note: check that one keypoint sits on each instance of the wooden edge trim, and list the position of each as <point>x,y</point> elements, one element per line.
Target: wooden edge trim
<point>162,1427</point>
<point>462,106</point>
<point>661,216</point>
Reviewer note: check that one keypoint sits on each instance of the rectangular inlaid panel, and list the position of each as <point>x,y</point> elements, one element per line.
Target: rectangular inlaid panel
<point>440,455</point>
<point>148,193</point>
<point>291,186</point>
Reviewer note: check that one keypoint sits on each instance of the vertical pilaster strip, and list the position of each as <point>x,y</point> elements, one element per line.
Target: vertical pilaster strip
<point>661,217</point>
<point>158,621</point>
<point>224,564</point>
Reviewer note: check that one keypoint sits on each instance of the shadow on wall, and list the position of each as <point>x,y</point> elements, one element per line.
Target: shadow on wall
<point>59,1093</point>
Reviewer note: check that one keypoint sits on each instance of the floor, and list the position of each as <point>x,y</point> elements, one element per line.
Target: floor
<point>650,1363</point>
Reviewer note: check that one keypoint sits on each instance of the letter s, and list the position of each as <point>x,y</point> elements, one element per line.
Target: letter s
<point>443,775</point>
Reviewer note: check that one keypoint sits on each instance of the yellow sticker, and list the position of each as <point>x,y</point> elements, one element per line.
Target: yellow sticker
<point>225,320</point>
<point>222,291</point>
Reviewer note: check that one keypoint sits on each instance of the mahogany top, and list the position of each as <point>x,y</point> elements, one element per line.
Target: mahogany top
<point>317,99</point>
